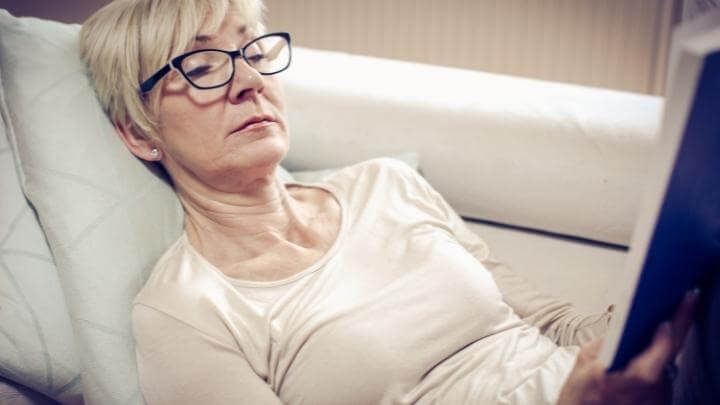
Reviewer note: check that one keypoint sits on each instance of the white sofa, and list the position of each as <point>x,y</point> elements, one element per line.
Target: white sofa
<point>548,174</point>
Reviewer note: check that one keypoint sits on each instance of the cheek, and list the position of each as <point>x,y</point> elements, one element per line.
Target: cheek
<point>182,106</point>
<point>173,117</point>
<point>174,83</point>
<point>180,122</point>
<point>275,93</point>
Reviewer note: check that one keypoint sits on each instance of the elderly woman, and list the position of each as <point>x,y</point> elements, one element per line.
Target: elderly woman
<point>364,289</point>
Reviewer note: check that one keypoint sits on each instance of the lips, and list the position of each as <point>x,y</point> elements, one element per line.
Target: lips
<point>254,122</point>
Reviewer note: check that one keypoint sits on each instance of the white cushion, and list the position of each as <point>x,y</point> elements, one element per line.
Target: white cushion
<point>36,340</point>
<point>106,216</point>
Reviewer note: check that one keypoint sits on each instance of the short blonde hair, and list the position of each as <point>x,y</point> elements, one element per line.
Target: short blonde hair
<point>126,41</point>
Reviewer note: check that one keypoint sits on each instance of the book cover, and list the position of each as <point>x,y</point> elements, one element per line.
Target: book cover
<point>677,235</point>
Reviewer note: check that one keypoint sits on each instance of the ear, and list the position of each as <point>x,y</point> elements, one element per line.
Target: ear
<point>138,144</point>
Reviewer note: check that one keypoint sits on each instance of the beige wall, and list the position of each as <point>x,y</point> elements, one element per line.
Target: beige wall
<point>620,44</point>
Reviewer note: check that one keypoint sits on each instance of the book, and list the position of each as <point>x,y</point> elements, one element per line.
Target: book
<point>676,240</point>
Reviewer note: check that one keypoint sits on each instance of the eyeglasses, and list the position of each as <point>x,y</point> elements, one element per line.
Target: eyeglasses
<point>212,68</point>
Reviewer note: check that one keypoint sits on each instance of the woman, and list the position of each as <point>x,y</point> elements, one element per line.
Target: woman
<point>364,289</point>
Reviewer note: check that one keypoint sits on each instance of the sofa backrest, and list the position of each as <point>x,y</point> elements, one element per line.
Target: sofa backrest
<point>554,157</point>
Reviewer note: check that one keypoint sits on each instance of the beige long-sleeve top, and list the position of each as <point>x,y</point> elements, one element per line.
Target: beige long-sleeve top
<point>402,309</point>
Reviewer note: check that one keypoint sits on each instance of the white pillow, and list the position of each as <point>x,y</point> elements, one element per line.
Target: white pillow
<point>106,216</point>
<point>36,340</point>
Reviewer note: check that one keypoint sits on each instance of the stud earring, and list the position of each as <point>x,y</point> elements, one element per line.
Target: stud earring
<point>155,153</point>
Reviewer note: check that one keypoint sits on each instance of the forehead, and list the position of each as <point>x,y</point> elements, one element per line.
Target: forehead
<point>236,27</point>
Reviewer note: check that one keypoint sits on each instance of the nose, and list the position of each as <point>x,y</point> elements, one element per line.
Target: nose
<point>247,82</point>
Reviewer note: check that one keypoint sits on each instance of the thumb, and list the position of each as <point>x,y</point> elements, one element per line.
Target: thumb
<point>590,351</point>
<point>584,383</point>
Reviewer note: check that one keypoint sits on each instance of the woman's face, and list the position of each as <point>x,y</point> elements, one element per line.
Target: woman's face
<point>226,137</point>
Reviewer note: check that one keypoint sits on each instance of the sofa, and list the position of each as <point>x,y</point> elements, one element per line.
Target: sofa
<point>549,174</point>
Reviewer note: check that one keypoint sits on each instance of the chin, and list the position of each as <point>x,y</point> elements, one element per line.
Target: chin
<point>236,177</point>
<point>259,159</point>
<point>249,162</point>
<point>268,153</point>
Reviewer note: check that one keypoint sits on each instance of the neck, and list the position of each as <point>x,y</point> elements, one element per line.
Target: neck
<point>254,219</point>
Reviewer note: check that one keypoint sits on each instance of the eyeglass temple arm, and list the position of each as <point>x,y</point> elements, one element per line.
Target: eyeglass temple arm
<point>148,84</point>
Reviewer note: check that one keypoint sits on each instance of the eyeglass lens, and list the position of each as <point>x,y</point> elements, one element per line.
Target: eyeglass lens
<point>213,68</point>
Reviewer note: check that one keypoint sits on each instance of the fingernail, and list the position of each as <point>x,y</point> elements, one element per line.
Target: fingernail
<point>665,328</point>
<point>692,294</point>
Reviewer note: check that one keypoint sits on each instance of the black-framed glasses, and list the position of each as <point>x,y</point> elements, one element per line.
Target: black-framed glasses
<point>212,68</point>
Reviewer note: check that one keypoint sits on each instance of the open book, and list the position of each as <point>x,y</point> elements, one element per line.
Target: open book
<point>677,236</point>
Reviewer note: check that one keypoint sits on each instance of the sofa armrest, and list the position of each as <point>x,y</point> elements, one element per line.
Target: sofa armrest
<point>561,158</point>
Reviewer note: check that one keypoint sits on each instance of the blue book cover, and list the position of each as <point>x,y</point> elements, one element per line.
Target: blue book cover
<point>677,236</point>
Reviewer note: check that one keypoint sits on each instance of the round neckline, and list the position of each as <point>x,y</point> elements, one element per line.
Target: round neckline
<point>300,274</point>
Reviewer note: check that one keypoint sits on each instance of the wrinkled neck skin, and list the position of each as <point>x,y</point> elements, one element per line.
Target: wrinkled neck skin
<point>231,227</point>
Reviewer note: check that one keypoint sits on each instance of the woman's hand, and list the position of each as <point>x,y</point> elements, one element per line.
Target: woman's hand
<point>643,381</point>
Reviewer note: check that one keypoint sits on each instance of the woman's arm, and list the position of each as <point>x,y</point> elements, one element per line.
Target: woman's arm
<point>179,364</point>
<point>557,319</point>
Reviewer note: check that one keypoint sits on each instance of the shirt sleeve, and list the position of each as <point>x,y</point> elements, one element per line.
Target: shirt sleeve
<point>179,364</point>
<point>556,318</point>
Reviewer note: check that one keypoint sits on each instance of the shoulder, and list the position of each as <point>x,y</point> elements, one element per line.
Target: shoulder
<point>164,274</point>
<point>383,185</point>
<point>373,173</point>
<point>383,165</point>
<point>181,288</point>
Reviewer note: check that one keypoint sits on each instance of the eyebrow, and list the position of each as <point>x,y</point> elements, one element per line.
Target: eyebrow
<point>207,38</point>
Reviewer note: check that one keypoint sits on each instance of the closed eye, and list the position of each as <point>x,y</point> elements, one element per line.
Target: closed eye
<point>198,71</point>
<point>257,58</point>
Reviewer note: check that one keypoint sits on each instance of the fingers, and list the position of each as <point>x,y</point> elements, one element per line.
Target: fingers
<point>583,385</point>
<point>682,320</point>
<point>590,351</point>
<point>588,384</point>
<point>648,366</point>
<point>667,342</point>
<point>641,381</point>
